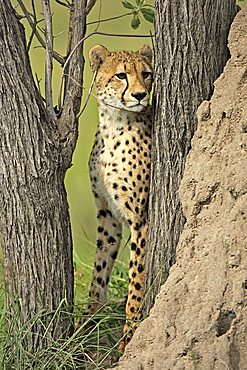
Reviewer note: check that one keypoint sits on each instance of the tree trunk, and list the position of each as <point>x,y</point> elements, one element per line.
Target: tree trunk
<point>34,226</point>
<point>199,319</point>
<point>191,51</point>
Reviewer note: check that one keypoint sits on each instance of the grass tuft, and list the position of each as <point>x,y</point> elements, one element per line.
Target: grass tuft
<point>93,346</point>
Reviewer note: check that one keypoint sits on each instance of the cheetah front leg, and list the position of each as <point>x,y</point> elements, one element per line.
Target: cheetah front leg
<point>136,282</point>
<point>108,243</point>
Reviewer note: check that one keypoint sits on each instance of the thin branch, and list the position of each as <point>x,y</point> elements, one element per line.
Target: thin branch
<point>110,19</point>
<point>99,17</point>
<point>67,5</point>
<point>55,55</point>
<point>38,82</point>
<point>65,65</point>
<point>66,76</point>
<point>90,6</point>
<point>88,96</point>
<point>48,60</point>
<point>69,38</point>
<point>33,30</point>
<point>34,12</point>
<point>116,35</point>
<point>153,45</point>
<point>78,44</point>
<point>31,39</point>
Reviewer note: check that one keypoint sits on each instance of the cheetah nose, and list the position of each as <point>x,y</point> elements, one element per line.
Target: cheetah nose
<point>139,95</point>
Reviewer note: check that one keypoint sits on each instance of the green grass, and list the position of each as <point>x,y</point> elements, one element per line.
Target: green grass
<point>93,346</point>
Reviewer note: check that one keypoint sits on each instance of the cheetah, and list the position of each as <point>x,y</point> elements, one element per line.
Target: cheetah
<point>120,171</point>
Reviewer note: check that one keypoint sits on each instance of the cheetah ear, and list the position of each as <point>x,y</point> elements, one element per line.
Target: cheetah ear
<point>97,55</point>
<point>146,52</point>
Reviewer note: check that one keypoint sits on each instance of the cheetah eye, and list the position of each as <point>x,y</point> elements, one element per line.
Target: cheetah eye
<point>146,74</point>
<point>121,76</point>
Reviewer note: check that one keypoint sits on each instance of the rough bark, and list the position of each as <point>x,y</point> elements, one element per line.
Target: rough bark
<point>199,318</point>
<point>191,51</point>
<point>34,225</point>
<point>68,127</point>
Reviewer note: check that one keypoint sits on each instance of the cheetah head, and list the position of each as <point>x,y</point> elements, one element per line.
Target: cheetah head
<point>124,78</point>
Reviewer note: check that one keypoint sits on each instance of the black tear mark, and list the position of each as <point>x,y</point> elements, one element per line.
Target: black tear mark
<point>126,88</point>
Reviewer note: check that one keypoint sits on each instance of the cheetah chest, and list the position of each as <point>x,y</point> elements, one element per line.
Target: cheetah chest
<point>120,167</point>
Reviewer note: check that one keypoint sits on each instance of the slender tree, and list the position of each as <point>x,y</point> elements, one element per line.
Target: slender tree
<point>36,150</point>
<point>37,144</point>
<point>191,51</point>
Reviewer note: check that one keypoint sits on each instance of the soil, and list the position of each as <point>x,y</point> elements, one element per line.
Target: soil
<point>199,320</point>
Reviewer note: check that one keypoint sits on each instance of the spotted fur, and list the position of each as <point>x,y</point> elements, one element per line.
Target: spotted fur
<point>120,171</point>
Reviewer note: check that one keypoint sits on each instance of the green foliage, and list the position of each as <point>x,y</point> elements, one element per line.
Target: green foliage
<point>92,346</point>
<point>139,9</point>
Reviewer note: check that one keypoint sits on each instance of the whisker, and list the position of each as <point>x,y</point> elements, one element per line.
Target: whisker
<point>89,92</point>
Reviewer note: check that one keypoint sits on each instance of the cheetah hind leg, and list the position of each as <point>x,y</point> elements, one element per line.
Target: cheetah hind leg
<point>136,284</point>
<point>108,243</point>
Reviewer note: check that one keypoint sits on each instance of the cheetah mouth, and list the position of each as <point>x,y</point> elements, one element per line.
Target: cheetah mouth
<point>128,106</point>
<point>132,103</point>
<point>137,107</point>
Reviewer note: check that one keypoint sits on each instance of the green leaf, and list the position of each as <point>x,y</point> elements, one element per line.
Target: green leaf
<point>140,3</point>
<point>135,23</point>
<point>127,5</point>
<point>148,14</point>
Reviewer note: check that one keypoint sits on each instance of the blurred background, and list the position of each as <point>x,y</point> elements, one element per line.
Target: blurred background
<point>82,208</point>
<point>81,202</point>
